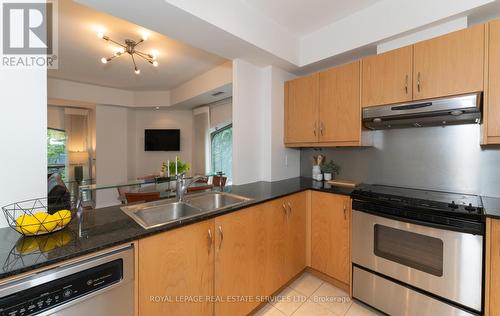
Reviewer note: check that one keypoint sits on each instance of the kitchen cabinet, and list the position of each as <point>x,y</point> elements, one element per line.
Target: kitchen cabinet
<point>258,250</point>
<point>177,263</point>
<point>491,114</point>
<point>331,235</point>
<point>301,110</point>
<point>388,78</point>
<point>492,280</point>
<point>450,64</point>
<point>339,105</point>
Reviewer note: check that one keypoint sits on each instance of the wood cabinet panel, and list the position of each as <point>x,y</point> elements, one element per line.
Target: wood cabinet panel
<point>339,106</point>
<point>240,263</point>
<point>296,235</point>
<point>450,64</point>
<point>301,109</point>
<point>492,104</point>
<point>387,78</point>
<point>177,263</point>
<point>492,300</point>
<point>330,235</point>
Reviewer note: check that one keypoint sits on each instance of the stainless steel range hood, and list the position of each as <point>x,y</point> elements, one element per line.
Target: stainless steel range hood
<point>462,109</point>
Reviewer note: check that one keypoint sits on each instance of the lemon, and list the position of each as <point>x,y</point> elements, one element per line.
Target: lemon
<point>49,223</point>
<point>26,245</point>
<point>27,224</point>
<point>63,217</point>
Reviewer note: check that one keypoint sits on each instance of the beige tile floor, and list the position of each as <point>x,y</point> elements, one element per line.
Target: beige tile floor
<point>310,296</point>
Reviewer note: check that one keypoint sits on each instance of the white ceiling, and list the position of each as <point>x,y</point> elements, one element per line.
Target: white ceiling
<point>304,16</point>
<point>80,51</point>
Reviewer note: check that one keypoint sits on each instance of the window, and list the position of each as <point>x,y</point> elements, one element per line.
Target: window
<point>57,156</point>
<point>222,151</point>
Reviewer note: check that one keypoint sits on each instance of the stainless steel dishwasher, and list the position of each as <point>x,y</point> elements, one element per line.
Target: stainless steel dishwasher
<point>100,285</point>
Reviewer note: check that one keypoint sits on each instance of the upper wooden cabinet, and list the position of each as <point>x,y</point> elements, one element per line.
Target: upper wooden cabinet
<point>491,131</point>
<point>388,77</point>
<point>301,110</point>
<point>450,64</point>
<point>177,263</point>
<point>330,235</point>
<point>339,105</point>
<point>324,109</point>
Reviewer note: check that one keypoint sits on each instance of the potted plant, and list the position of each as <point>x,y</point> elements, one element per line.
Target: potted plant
<point>330,169</point>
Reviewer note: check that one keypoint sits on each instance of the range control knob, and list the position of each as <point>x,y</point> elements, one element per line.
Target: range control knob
<point>453,205</point>
<point>470,208</point>
<point>67,293</point>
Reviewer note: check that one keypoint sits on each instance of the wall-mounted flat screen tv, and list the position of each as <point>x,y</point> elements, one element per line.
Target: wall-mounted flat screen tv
<point>162,139</point>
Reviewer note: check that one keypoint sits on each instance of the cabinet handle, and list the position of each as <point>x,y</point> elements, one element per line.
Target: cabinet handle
<point>321,128</point>
<point>210,239</point>
<point>406,84</point>
<point>418,81</point>
<point>345,212</point>
<point>314,130</point>
<point>290,207</point>
<point>221,233</point>
<point>284,209</point>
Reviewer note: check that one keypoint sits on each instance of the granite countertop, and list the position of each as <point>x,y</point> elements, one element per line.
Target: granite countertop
<point>108,227</point>
<point>491,206</point>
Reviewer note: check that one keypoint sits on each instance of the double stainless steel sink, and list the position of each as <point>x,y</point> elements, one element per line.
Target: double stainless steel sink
<point>162,212</point>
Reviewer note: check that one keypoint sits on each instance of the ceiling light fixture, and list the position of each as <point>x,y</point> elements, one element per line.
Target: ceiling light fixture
<point>129,47</point>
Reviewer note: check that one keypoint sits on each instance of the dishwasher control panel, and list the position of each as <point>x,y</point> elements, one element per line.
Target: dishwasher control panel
<point>37,299</point>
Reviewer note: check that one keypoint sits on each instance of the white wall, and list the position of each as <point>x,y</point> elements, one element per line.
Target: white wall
<point>70,90</point>
<point>214,78</point>
<point>258,117</point>
<point>23,135</point>
<point>111,151</point>
<point>55,117</point>
<point>285,162</point>
<point>149,162</point>
<point>248,122</point>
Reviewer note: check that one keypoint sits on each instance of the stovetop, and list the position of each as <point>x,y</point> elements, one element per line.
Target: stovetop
<point>435,201</point>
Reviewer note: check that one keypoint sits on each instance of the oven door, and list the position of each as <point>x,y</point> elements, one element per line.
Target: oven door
<point>442,262</point>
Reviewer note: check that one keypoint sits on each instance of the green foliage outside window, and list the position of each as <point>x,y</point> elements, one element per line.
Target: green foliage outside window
<point>222,151</point>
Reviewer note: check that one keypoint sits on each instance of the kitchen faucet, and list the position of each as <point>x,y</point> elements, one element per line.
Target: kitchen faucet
<point>182,185</point>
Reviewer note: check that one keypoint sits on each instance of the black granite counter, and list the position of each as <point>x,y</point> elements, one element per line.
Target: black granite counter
<point>491,206</point>
<point>107,227</point>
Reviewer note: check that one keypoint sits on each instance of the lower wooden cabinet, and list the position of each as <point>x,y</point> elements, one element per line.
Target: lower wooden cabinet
<point>258,250</point>
<point>492,280</point>
<point>177,264</point>
<point>330,235</point>
<point>240,257</point>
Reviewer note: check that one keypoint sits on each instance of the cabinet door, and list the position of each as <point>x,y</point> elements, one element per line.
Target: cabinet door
<point>450,64</point>
<point>301,110</point>
<point>241,259</point>
<point>330,235</point>
<point>177,263</point>
<point>492,302</point>
<point>296,235</point>
<point>492,104</point>
<point>339,110</point>
<point>387,78</point>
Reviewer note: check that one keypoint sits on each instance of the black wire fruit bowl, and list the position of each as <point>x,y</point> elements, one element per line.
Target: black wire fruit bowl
<point>31,217</point>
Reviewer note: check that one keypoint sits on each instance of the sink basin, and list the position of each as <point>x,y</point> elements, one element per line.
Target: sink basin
<point>162,212</point>
<point>211,201</point>
<point>158,213</point>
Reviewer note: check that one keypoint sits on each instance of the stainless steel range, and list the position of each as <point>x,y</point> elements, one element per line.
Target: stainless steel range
<point>417,252</point>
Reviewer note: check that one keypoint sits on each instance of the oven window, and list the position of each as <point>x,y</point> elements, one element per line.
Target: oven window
<point>413,250</point>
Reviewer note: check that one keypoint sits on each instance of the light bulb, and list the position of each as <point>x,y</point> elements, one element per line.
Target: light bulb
<point>137,71</point>
<point>155,63</point>
<point>100,35</point>
<point>104,60</point>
